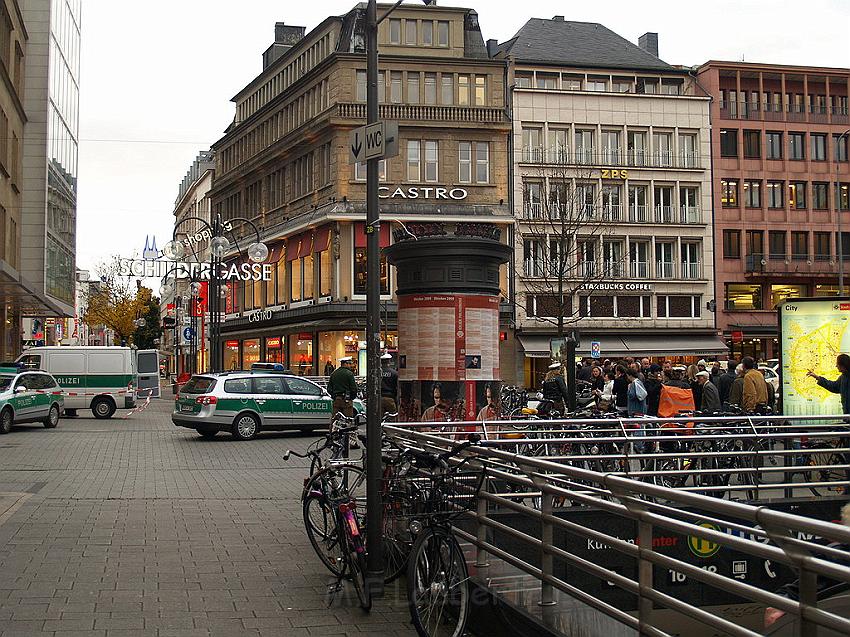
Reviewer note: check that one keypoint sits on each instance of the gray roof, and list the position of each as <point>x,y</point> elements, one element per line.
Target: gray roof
<point>580,44</point>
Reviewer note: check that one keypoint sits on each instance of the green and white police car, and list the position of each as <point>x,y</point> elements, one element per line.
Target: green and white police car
<point>247,402</point>
<point>29,396</point>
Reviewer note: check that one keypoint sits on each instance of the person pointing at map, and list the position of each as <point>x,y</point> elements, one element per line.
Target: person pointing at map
<point>840,385</point>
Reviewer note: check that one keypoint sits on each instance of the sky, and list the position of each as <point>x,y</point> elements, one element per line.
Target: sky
<point>157,79</point>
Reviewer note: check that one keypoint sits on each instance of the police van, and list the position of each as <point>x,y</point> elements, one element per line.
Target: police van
<point>102,379</point>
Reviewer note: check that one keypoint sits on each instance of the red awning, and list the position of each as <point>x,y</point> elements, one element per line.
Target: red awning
<point>320,242</point>
<point>275,252</point>
<point>360,235</point>
<point>306,244</point>
<point>292,244</point>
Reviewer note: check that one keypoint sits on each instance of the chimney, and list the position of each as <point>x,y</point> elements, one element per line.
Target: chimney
<point>558,18</point>
<point>649,43</point>
<point>492,45</point>
<point>285,37</point>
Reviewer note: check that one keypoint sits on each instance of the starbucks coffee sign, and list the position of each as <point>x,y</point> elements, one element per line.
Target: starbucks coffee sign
<point>423,192</point>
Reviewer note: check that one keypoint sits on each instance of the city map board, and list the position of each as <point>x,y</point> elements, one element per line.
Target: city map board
<point>812,333</point>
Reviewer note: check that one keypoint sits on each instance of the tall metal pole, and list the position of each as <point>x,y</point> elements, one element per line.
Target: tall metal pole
<point>374,545</point>
<point>216,362</point>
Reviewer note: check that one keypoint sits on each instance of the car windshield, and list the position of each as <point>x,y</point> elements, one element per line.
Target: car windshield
<point>198,385</point>
<point>6,382</point>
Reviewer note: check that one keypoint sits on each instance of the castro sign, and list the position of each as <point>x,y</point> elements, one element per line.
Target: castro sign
<point>423,192</point>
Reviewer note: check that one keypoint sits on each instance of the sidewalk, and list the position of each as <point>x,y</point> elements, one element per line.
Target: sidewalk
<point>134,527</point>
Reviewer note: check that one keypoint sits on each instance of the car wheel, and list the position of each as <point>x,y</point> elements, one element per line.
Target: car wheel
<point>207,434</point>
<point>245,427</point>
<point>70,413</point>
<point>52,417</point>
<point>6,421</point>
<point>102,408</point>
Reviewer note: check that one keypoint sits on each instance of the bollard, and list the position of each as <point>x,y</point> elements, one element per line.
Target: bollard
<point>547,560</point>
<point>480,533</point>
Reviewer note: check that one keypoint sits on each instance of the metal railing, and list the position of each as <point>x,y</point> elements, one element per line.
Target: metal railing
<point>594,156</point>
<point>527,499</point>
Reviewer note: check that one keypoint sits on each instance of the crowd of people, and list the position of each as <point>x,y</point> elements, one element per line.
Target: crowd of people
<point>636,387</point>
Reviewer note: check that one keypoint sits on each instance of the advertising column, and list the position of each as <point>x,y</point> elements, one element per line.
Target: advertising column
<point>448,317</point>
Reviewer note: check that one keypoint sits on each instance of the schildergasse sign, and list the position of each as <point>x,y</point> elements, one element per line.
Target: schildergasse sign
<point>148,268</point>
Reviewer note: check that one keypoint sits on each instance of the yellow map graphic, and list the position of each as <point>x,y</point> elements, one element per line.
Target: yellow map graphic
<point>815,350</point>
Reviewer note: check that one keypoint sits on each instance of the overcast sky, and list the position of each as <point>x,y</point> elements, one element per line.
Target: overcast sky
<point>157,80</point>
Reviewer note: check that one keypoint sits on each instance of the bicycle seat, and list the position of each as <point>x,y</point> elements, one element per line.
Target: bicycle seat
<point>529,411</point>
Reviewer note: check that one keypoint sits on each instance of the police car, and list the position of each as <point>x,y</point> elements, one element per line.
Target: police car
<point>247,402</point>
<point>29,396</point>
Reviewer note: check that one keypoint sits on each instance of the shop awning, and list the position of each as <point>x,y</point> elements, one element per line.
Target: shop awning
<point>537,345</point>
<point>360,234</point>
<point>675,345</point>
<point>275,252</point>
<point>320,243</point>
<point>292,248</point>
<point>306,244</point>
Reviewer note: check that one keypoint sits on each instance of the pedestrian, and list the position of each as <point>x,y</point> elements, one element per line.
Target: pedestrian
<point>329,367</point>
<point>343,388</point>
<point>716,372</point>
<point>389,386</point>
<point>710,402</point>
<point>840,385</point>
<point>555,388</point>
<point>584,371</point>
<point>666,368</point>
<point>736,390</point>
<point>696,388</point>
<point>755,386</point>
<point>771,392</point>
<point>724,383</point>
<point>606,398</point>
<point>635,394</point>
<point>636,367</point>
<point>644,365</point>
<point>653,389</point>
<point>621,389</point>
<point>676,378</point>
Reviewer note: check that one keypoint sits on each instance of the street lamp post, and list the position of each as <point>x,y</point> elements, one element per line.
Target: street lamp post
<point>838,212</point>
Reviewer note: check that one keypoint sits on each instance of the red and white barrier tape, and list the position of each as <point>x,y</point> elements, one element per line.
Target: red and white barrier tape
<point>140,408</point>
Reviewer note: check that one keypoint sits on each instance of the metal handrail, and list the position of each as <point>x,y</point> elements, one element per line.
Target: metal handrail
<point>650,506</point>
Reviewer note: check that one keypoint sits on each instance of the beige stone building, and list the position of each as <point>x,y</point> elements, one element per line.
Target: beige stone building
<point>283,163</point>
<point>612,196</point>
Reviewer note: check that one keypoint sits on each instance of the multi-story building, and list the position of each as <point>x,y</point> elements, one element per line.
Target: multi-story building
<point>612,196</point>
<point>191,213</point>
<point>284,164</point>
<point>781,173</point>
<point>48,182</point>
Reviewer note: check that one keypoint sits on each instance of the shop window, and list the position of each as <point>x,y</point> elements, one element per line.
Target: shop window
<point>274,349</point>
<point>280,280</point>
<point>360,273</point>
<point>325,265</point>
<point>270,287</point>
<point>249,295</point>
<point>778,293</point>
<point>231,355</point>
<point>743,296</point>
<point>301,353</point>
<point>250,352</point>
<point>294,277</point>
<point>678,306</point>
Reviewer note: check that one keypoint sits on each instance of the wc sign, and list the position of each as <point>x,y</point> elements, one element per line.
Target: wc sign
<point>373,141</point>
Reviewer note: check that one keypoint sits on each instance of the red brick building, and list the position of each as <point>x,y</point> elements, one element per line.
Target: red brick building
<point>779,148</point>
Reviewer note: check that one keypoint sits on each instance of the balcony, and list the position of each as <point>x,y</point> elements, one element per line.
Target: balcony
<point>664,214</point>
<point>611,213</point>
<point>533,211</point>
<point>665,269</point>
<point>690,214</point>
<point>426,112</point>
<point>639,269</point>
<point>612,269</point>
<point>587,269</point>
<point>533,267</point>
<point>638,214</point>
<point>691,270</point>
<point>797,264</point>
<point>780,113</point>
<point>591,156</point>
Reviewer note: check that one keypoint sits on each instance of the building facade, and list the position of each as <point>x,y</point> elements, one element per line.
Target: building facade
<point>612,196</point>
<point>781,175</point>
<point>49,153</point>
<point>284,163</point>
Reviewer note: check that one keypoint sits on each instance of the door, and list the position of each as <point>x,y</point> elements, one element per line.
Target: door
<point>147,381</point>
<point>272,402</point>
<point>311,407</point>
<point>24,399</point>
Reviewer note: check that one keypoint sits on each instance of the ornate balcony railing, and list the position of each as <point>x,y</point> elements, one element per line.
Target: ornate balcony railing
<point>426,112</point>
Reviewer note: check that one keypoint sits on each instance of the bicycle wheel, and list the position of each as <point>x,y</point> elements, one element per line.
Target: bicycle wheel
<point>438,585</point>
<point>350,477</point>
<point>398,539</point>
<point>833,472</point>
<point>357,569</point>
<point>322,531</point>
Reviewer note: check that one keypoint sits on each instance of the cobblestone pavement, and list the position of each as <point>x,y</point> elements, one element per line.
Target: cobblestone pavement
<point>137,528</point>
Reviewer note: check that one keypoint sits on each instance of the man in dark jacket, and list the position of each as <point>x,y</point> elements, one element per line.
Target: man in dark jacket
<point>710,401</point>
<point>840,385</point>
<point>653,389</point>
<point>343,388</point>
<point>621,389</point>
<point>389,385</point>
<point>725,381</point>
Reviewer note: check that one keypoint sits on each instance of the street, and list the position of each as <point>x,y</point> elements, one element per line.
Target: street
<point>135,527</point>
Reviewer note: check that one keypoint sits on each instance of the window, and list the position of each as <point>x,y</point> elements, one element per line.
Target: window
<point>395,87</point>
<point>820,195</point>
<point>729,193</point>
<point>797,195</point>
<point>413,160</point>
<point>799,245</point>
<point>622,85</point>
<point>427,33</point>
<point>410,32</point>
<point>752,194</point>
<point>302,387</point>
<point>729,142</point>
<point>265,385</point>
<point>382,87</point>
<point>731,244</point>
<point>473,162</point>
<point>840,196</point>
<point>532,200</point>
<point>755,242</point>
<point>688,151</point>
<point>839,144</point>
<point>532,257</point>
<point>431,161</point>
<point>523,80</point>
<point>776,243</point>
<point>361,86</point>
<point>413,88</point>
<point>743,296</point>
<point>671,87</point>
<point>823,246</point>
<point>571,82</point>
<point>678,306</point>
<point>775,194</point>
<point>395,31</point>
<point>430,87</point>
<point>796,146</point>
<point>596,84</point>
<point>774,145</point>
<point>584,147</point>
<point>547,81</point>
<point>547,305</point>
<point>447,92</point>
<point>663,143</point>
<point>442,33</point>
<point>360,273</point>
<point>463,90</point>
<point>360,170</point>
<point>818,146</point>
<point>480,90</point>
<point>752,144</point>
<point>778,293</point>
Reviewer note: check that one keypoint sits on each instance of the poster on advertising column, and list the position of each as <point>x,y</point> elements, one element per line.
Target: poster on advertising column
<point>812,332</point>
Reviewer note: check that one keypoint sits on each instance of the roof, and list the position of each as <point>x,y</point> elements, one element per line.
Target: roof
<point>580,44</point>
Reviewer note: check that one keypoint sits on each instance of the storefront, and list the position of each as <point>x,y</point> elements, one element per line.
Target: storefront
<point>301,354</point>
<point>231,355</point>
<point>250,352</point>
<point>274,349</point>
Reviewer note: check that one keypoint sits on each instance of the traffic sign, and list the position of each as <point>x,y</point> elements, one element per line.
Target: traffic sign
<point>373,141</point>
<point>188,333</point>
<point>595,349</point>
